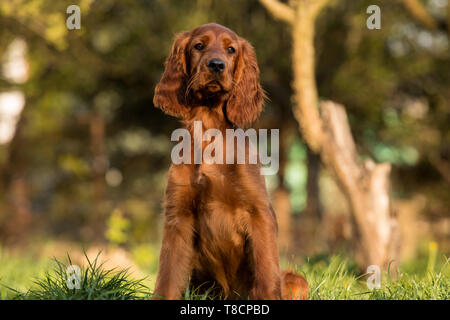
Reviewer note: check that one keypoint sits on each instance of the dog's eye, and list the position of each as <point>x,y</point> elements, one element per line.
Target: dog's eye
<point>231,50</point>
<point>199,46</point>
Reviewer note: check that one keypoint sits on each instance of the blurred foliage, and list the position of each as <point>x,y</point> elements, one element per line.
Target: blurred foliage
<point>89,140</point>
<point>117,228</point>
<point>19,270</point>
<point>145,257</point>
<point>296,173</point>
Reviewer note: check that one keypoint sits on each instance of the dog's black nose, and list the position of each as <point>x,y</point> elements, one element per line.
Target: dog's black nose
<point>216,65</point>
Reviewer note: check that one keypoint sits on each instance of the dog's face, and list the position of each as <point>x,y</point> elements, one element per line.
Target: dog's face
<point>212,54</point>
<point>210,66</point>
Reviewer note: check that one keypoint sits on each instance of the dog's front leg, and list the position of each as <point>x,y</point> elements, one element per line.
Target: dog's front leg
<point>265,256</point>
<point>175,262</point>
<point>175,259</point>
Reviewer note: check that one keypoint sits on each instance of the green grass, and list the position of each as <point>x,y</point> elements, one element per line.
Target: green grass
<point>19,271</point>
<point>336,279</point>
<point>329,278</point>
<point>91,283</point>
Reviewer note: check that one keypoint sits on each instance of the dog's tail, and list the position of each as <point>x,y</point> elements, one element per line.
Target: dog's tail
<point>293,286</point>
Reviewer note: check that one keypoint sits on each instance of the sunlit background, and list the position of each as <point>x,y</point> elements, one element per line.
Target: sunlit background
<point>84,153</point>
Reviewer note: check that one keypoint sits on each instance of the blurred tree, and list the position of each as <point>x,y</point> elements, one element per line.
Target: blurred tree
<point>366,186</point>
<point>88,101</point>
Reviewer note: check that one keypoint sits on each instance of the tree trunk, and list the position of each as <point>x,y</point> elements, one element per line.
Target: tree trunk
<point>282,202</point>
<point>311,221</point>
<point>282,206</point>
<point>99,166</point>
<point>313,208</point>
<point>366,186</point>
<point>18,214</point>
<point>305,91</point>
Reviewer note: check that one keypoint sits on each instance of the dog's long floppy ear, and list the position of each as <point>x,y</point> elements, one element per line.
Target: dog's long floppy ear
<point>169,92</point>
<point>246,99</point>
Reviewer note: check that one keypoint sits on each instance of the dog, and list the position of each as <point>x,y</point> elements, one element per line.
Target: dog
<point>220,230</point>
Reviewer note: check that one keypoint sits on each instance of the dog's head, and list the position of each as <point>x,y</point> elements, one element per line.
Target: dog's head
<point>211,66</point>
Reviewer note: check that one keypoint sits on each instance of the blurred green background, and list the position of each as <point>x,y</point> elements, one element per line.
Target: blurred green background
<point>84,154</point>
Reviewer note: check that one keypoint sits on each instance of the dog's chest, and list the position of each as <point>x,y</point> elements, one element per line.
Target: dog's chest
<point>220,241</point>
<point>221,217</point>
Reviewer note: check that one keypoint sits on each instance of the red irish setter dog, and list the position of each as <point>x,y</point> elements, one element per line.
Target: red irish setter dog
<point>220,229</point>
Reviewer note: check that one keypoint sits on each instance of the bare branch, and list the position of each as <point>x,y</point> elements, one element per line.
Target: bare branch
<point>316,6</point>
<point>420,14</point>
<point>448,20</point>
<point>279,10</point>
